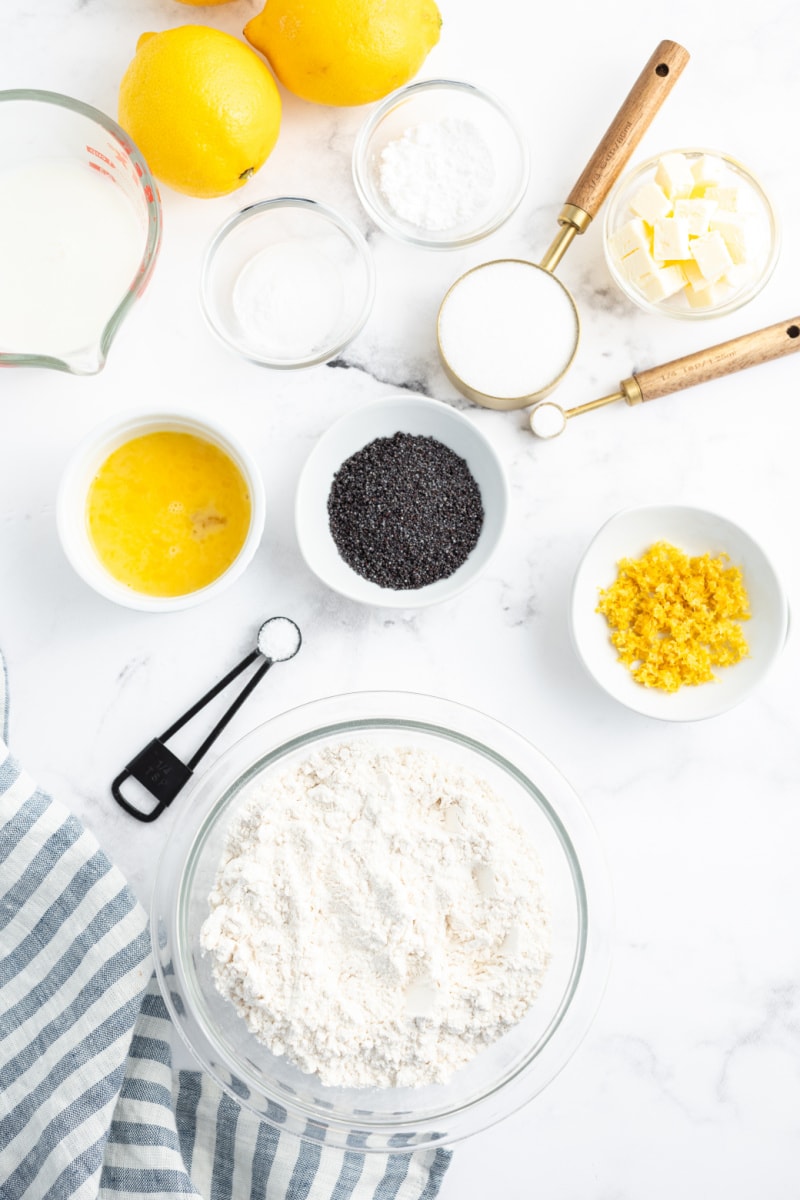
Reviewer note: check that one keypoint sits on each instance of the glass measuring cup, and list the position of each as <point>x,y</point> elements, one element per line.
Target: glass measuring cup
<point>501,308</point>
<point>58,150</point>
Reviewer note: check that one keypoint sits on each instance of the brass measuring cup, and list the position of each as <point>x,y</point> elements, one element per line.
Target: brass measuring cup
<point>648,93</point>
<point>549,419</point>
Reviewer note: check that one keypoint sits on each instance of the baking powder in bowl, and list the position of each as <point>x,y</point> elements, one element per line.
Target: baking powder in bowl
<point>508,329</point>
<point>378,916</point>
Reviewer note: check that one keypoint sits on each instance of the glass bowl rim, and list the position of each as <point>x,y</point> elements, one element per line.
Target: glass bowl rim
<point>300,727</point>
<point>383,217</point>
<point>342,223</point>
<point>736,302</point>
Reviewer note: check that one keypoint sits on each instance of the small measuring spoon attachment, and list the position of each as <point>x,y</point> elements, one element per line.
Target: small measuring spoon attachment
<point>548,419</point>
<point>160,771</point>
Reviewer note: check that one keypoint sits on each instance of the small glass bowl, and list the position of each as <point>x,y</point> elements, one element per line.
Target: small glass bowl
<point>504,1075</point>
<point>750,282</point>
<point>287,283</point>
<point>428,103</point>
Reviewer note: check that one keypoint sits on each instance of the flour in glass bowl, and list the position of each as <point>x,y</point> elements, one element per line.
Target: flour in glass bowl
<point>378,916</point>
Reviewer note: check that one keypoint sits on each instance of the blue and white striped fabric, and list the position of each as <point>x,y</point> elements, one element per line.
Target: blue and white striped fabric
<point>89,1103</point>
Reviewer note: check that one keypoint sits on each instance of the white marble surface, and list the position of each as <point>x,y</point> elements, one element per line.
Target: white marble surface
<point>689,1081</point>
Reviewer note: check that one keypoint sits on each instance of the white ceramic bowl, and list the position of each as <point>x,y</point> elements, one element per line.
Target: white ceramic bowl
<point>424,104</point>
<point>501,1077</point>
<point>629,534</point>
<point>428,418</point>
<point>310,250</point>
<point>92,452</point>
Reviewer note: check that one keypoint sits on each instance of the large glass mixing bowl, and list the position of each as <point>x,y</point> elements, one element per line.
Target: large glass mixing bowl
<point>502,1077</point>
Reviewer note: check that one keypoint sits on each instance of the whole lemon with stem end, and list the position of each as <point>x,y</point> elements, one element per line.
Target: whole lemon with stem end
<point>345,51</point>
<point>202,107</point>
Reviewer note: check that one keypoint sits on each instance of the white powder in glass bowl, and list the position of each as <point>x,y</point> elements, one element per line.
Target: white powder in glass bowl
<point>378,916</point>
<point>438,175</point>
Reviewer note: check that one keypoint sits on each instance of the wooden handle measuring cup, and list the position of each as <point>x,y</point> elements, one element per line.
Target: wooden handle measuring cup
<point>508,330</point>
<point>548,420</point>
<point>657,79</point>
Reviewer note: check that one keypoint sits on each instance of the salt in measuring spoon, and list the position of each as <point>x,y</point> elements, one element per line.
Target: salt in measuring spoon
<point>548,419</point>
<point>513,318</point>
<point>160,771</point>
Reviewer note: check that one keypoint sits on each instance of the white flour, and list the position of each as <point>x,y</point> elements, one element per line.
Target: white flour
<point>438,175</point>
<point>378,916</point>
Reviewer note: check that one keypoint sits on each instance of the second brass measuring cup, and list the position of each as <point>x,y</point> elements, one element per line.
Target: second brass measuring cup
<point>472,314</point>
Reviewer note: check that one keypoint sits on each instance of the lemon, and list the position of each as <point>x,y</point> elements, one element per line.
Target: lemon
<point>202,107</point>
<point>345,51</point>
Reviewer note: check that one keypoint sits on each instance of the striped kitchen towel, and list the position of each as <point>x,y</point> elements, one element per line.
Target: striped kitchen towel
<point>89,1103</point>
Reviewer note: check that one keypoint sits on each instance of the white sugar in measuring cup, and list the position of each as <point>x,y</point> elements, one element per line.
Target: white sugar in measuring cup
<point>508,330</point>
<point>80,227</point>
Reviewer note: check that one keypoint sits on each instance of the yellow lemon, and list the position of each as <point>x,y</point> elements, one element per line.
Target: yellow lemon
<point>202,107</point>
<point>345,51</point>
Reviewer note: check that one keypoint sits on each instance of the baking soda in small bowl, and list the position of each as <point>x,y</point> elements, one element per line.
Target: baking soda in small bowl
<point>288,300</point>
<point>287,282</point>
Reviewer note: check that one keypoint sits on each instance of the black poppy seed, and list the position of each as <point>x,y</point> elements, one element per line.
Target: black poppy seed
<point>405,511</point>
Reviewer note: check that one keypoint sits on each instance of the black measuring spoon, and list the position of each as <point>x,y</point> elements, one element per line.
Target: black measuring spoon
<point>160,771</point>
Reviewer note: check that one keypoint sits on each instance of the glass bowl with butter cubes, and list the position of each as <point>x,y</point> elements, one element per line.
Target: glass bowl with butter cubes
<point>690,234</point>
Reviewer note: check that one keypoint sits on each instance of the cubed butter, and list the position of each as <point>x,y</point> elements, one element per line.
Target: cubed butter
<point>694,276</point>
<point>697,213</point>
<point>728,197</point>
<point>634,266</point>
<point>633,235</point>
<point>674,176</point>
<point>707,171</point>
<point>662,283</point>
<point>670,238</point>
<point>737,233</point>
<point>711,255</point>
<point>650,202</point>
<point>709,296</point>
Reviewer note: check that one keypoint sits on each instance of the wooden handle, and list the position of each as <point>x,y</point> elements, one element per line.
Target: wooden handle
<point>746,351</point>
<point>625,132</point>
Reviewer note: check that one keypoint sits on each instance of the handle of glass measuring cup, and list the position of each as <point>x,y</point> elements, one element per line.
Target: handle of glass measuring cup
<point>654,84</point>
<point>738,354</point>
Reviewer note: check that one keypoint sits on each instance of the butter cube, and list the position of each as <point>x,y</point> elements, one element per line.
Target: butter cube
<point>674,176</point>
<point>651,203</point>
<point>737,233</point>
<point>707,171</point>
<point>662,283</point>
<point>697,213</point>
<point>710,296</point>
<point>670,238</point>
<point>694,276</point>
<point>729,198</point>
<point>634,266</point>
<point>711,255</point>
<point>633,235</point>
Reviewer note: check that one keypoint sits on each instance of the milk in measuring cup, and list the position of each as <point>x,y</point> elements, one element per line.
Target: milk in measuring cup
<point>70,245</point>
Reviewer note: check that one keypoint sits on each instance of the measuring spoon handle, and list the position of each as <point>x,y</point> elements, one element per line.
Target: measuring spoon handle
<point>728,357</point>
<point>623,135</point>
